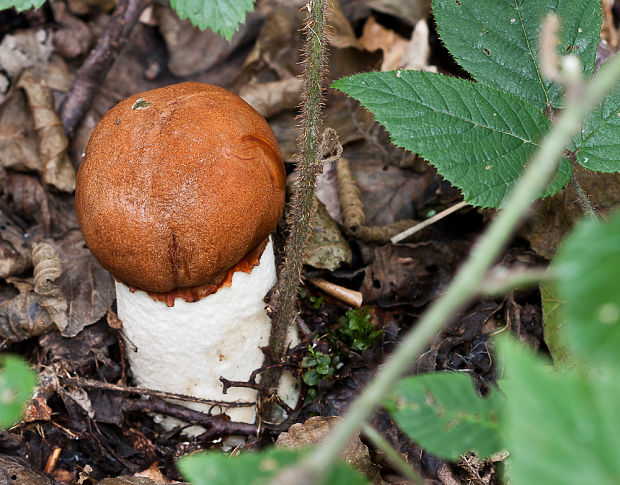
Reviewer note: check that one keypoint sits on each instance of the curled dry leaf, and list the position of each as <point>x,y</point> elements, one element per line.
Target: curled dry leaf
<point>87,287</point>
<point>273,97</point>
<point>376,37</point>
<point>73,38</point>
<point>17,470</point>
<point>21,317</point>
<point>18,141</point>
<point>47,270</point>
<point>327,248</point>
<point>418,50</point>
<point>190,50</point>
<point>25,49</point>
<point>313,432</point>
<point>15,255</point>
<point>409,11</point>
<point>57,169</point>
<point>31,201</point>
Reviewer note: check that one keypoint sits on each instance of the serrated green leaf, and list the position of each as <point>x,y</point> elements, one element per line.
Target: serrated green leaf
<point>443,413</point>
<point>17,381</point>
<point>497,41</point>
<point>587,266</point>
<point>479,138</point>
<point>560,428</point>
<point>221,16</point>
<point>597,147</point>
<point>254,468</point>
<point>20,5</point>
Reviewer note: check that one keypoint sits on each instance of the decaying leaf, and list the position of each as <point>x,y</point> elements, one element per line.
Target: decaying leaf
<point>410,11</point>
<point>191,50</point>
<point>22,317</point>
<point>18,140</point>
<point>25,49</point>
<point>28,198</point>
<point>314,431</point>
<point>15,255</point>
<point>57,169</point>
<point>47,270</point>
<point>327,248</point>
<point>375,37</point>
<point>87,287</point>
<point>552,218</point>
<point>410,274</point>
<point>273,97</point>
<point>14,470</point>
<point>73,38</point>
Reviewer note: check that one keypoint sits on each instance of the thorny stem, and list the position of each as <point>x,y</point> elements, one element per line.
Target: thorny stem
<point>463,288</point>
<point>302,208</point>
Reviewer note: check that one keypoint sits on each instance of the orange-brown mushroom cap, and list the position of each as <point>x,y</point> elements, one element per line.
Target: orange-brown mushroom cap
<point>177,185</point>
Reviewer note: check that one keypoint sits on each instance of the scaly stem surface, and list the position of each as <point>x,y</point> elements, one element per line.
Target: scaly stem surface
<point>465,284</point>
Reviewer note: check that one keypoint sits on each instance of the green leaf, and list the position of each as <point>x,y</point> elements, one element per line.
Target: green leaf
<point>479,138</point>
<point>497,41</point>
<point>221,16</point>
<point>20,5</point>
<point>443,413</point>
<point>254,468</point>
<point>17,381</point>
<point>598,145</point>
<point>587,267</point>
<point>311,378</point>
<point>560,428</point>
<point>553,321</point>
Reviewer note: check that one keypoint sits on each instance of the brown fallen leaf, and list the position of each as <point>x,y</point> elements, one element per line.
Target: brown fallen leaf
<point>273,97</point>
<point>313,432</point>
<point>14,470</point>
<point>47,271</point>
<point>327,248</point>
<point>154,474</point>
<point>18,140</point>
<point>376,37</point>
<point>73,37</point>
<point>57,169</point>
<point>21,317</point>
<point>23,50</point>
<point>15,254</point>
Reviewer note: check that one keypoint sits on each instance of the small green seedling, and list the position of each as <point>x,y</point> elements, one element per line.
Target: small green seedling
<point>318,366</point>
<point>17,380</point>
<point>357,330</point>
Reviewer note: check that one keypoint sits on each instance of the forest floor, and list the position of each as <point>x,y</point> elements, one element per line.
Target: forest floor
<point>86,422</point>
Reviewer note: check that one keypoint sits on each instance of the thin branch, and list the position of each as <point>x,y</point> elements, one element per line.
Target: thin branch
<point>99,61</point>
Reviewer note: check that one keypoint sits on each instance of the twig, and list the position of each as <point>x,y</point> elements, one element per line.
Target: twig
<point>350,297</point>
<point>390,453</point>
<point>215,426</point>
<point>464,286</point>
<point>428,222</point>
<point>583,198</point>
<point>501,280</point>
<point>92,384</point>
<point>99,61</point>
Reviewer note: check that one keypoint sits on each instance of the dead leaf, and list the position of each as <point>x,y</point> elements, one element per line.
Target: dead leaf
<point>418,50</point>
<point>552,218</point>
<point>376,37</point>
<point>57,169</point>
<point>410,274</point>
<point>73,38</point>
<point>47,270</point>
<point>25,49</point>
<point>191,50</point>
<point>14,470</point>
<point>37,410</point>
<point>15,254</point>
<point>21,317</point>
<point>127,481</point>
<point>327,248</point>
<point>339,32</point>
<point>154,474</point>
<point>18,140</point>
<point>273,97</point>
<point>87,287</point>
<point>409,11</point>
<point>313,432</point>
<point>31,201</point>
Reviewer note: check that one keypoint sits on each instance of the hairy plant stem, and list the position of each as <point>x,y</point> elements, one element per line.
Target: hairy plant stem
<point>465,284</point>
<point>391,454</point>
<point>302,205</point>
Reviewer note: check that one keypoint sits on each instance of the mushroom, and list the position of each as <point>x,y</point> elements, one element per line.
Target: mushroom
<point>177,194</point>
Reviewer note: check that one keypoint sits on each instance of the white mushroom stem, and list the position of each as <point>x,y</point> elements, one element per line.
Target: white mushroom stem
<point>187,347</point>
